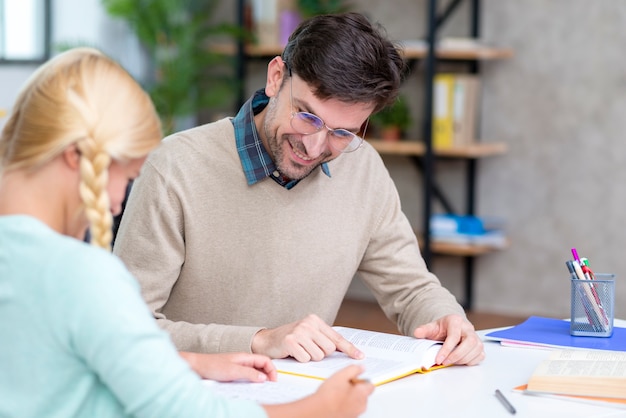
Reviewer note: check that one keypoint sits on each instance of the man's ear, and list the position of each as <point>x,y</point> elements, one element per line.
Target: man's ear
<point>276,70</point>
<point>71,156</point>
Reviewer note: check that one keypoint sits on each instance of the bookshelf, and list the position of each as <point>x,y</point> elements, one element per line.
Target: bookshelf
<point>422,152</point>
<point>471,53</point>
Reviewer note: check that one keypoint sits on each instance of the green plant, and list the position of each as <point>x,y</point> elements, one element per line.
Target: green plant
<point>310,8</point>
<point>187,75</point>
<point>398,115</point>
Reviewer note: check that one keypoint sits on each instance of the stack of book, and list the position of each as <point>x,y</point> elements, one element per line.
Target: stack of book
<point>455,109</point>
<point>467,230</point>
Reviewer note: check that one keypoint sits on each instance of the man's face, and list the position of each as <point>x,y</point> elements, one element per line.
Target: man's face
<point>295,154</point>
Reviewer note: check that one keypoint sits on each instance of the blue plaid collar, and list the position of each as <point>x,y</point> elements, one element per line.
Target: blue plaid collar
<point>255,160</point>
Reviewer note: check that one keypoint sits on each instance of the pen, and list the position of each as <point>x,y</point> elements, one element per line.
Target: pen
<point>505,402</point>
<point>357,381</point>
<point>579,271</point>
<point>570,267</point>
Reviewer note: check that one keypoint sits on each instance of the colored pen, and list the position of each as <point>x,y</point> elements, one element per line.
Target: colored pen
<point>579,271</point>
<point>575,254</point>
<point>587,272</point>
<point>591,314</point>
<point>505,402</point>
<point>570,267</point>
<point>592,295</point>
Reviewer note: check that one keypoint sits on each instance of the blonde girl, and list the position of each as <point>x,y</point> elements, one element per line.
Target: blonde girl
<point>76,339</point>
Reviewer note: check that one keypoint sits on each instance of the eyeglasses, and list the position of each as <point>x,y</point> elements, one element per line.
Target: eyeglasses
<point>306,123</point>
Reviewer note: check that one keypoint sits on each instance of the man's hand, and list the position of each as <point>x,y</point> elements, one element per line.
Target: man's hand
<point>227,367</point>
<point>461,343</point>
<point>305,340</point>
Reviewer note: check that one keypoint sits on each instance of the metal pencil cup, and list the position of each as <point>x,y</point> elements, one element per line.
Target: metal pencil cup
<point>592,306</point>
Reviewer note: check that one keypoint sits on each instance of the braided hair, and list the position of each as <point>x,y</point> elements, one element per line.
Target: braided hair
<point>82,98</point>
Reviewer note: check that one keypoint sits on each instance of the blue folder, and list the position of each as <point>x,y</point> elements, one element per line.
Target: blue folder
<point>552,332</point>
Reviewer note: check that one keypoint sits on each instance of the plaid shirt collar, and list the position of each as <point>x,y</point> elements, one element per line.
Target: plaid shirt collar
<point>255,160</point>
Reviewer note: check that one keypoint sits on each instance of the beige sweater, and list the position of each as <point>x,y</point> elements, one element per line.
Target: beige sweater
<point>218,259</point>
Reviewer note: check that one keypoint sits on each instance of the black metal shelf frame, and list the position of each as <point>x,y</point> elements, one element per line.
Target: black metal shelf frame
<point>427,163</point>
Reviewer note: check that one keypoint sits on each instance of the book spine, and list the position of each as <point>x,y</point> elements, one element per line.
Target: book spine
<point>443,115</point>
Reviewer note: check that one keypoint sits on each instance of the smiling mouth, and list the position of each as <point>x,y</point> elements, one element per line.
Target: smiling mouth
<point>299,153</point>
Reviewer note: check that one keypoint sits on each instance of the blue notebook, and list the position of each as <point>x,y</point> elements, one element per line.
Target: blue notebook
<point>550,332</point>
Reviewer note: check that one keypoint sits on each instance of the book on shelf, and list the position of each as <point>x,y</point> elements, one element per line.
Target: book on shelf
<point>273,21</point>
<point>443,110</point>
<point>540,332</point>
<point>455,109</point>
<point>456,43</point>
<point>581,373</point>
<point>468,230</point>
<point>465,105</point>
<point>387,357</point>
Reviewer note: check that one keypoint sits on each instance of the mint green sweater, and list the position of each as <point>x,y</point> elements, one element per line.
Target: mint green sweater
<point>218,259</point>
<point>77,340</point>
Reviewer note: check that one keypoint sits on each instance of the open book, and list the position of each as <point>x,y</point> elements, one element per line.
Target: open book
<point>599,373</point>
<point>387,357</point>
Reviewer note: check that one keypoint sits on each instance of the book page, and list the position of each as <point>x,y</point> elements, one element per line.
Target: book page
<point>582,372</point>
<point>387,357</point>
<point>585,363</point>
<point>266,393</point>
<point>398,343</point>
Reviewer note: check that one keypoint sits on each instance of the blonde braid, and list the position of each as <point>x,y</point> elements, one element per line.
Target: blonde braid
<point>94,174</point>
<point>81,99</point>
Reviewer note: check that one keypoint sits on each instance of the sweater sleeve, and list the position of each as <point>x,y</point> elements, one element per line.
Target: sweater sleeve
<point>395,271</point>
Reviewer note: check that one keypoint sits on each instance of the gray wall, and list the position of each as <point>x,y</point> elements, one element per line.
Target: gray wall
<point>559,104</point>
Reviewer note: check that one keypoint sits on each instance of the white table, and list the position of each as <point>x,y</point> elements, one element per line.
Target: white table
<point>469,391</point>
<point>463,391</point>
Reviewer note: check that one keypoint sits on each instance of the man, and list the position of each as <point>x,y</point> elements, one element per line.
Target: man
<point>246,233</point>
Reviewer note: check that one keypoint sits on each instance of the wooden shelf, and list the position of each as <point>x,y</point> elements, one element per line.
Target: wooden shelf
<point>409,52</point>
<point>464,250</point>
<point>417,148</point>
<point>478,52</point>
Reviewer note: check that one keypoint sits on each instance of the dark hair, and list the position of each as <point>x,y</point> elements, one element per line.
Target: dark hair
<point>346,57</point>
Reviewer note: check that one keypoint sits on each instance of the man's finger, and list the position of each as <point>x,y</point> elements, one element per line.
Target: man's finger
<point>346,347</point>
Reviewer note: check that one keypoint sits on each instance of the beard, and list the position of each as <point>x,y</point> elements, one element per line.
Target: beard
<point>278,151</point>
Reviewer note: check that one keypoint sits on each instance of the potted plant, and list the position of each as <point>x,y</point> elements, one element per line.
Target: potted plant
<point>392,122</point>
<point>310,8</point>
<point>187,75</point>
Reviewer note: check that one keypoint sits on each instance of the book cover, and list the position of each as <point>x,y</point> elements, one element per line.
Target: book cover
<point>538,331</point>
<point>443,114</point>
<point>581,373</point>
<point>387,357</point>
<point>465,104</point>
<point>465,230</point>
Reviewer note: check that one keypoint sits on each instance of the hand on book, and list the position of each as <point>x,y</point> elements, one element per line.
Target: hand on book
<point>227,367</point>
<point>461,343</point>
<point>305,340</point>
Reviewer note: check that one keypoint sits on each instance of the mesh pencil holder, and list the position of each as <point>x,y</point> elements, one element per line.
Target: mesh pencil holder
<point>592,306</point>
